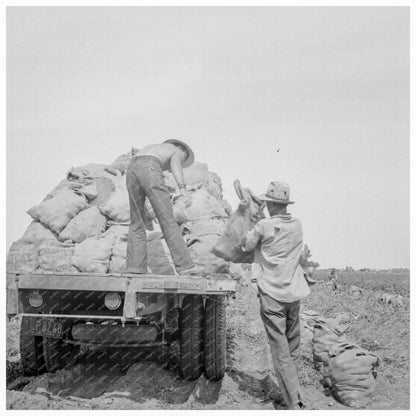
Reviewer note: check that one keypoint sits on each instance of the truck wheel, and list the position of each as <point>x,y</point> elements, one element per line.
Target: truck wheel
<point>31,352</point>
<point>58,354</point>
<point>215,338</point>
<point>162,356</point>
<point>191,337</point>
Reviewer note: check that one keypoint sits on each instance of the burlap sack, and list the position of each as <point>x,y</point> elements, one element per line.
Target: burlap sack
<point>56,257</point>
<point>196,173</point>
<point>36,233</point>
<point>88,223</point>
<point>105,188</point>
<point>206,226</point>
<point>118,254</point>
<point>203,205</point>
<point>57,211</point>
<point>159,259</point>
<point>324,338</point>
<point>94,253</point>
<point>351,372</point>
<point>123,161</point>
<point>117,206</point>
<point>64,185</point>
<point>228,246</point>
<point>22,257</point>
<point>200,249</point>
<point>118,230</point>
<point>89,190</point>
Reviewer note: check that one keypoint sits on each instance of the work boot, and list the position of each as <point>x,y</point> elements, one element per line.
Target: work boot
<point>193,271</point>
<point>278,400</point>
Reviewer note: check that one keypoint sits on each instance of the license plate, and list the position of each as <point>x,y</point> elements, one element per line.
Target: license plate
<point>46,327</point>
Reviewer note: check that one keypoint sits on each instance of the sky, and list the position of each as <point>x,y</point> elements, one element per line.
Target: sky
<point>328,86</point>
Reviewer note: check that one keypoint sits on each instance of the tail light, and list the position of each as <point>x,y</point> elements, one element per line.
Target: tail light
<point>35,299</point>
<point>112,300</point>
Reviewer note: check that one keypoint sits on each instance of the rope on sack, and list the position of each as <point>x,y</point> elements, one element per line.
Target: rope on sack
<point>338,349</point>
<point>322,323</point>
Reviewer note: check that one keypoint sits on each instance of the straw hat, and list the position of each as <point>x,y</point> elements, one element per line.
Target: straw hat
<point>278,192</point>
<point>190,154</point>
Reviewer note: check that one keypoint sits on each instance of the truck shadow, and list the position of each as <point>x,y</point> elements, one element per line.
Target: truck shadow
<point>135,375</point>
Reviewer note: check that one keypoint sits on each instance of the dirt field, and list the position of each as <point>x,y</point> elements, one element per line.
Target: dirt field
<point>102,382</point>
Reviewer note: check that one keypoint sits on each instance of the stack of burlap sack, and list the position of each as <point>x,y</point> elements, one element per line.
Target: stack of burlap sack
<point>348,370</point>
<point>82,224</point>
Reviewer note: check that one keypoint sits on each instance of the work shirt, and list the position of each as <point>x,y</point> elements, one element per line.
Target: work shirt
<point>278,243</point>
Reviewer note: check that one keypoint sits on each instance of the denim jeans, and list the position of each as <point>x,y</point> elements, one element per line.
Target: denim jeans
<point>281,321</point>
<point>145,179</point>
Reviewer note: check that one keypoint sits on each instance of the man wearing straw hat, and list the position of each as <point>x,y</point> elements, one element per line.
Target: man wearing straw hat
<point>145,179</point>
<point>278,242</point>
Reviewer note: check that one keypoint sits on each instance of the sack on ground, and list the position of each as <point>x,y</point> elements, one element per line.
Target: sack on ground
<point>324,338</point>
<point>56,257</point>
<point>307,318</point>
<point>88,223</point>
<point>94,253</point>
<point>57,211</point>
<point>351,372</point>
<point>242,220</point>
<point>22,257</point>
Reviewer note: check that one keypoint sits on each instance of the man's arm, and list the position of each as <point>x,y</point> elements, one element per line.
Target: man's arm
<point>176,162</point>
<point>252,238</point>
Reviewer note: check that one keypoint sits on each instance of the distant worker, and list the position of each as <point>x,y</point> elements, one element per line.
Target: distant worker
<point>278,242</point>
<point>333,279</point>
<point>145,179</point>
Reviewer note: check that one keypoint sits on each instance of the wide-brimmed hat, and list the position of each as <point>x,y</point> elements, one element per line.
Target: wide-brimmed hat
<point>278,192</point>
<point>190,158</point>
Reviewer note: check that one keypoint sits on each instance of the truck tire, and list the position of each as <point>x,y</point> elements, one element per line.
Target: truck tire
<point>215,338</point>
<point>162,356</point>
<point>31,352</point>
<point>58,354</point>
<point>191,337</point>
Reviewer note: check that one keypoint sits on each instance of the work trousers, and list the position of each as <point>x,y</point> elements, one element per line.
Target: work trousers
<point>145,179</point>
<point>281,321</point>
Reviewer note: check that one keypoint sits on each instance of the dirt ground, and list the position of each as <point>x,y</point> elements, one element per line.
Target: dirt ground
<point>99,381</point>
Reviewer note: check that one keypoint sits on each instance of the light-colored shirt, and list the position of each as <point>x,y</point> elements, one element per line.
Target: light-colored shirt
<point>278,243</point>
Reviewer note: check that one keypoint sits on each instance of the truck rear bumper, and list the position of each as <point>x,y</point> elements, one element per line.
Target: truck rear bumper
<point>129,286</point>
